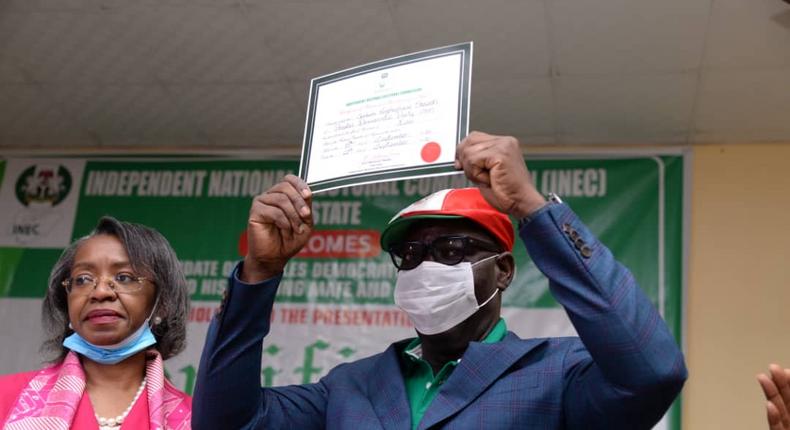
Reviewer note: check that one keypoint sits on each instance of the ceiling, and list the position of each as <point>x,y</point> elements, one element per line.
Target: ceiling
<point>225,74</point>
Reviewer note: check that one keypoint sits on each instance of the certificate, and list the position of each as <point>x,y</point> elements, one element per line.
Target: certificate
<point>392,119</point>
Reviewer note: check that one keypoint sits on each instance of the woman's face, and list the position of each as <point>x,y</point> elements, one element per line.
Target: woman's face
<point>101,315</point>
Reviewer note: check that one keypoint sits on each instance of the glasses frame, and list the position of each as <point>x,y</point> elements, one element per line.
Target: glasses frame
<point>429,247</point>
<point>111,282</point>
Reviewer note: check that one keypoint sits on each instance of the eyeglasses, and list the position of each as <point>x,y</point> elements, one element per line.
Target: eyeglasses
<point>449,250</point>
<point>121,283</point>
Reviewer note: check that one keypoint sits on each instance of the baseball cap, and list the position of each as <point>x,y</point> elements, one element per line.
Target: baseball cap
<point>452,204</point>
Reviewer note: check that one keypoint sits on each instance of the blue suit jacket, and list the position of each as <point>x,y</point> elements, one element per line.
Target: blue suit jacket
<point>623,371</point>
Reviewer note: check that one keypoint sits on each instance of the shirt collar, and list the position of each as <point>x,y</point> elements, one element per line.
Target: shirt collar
<point>413,351</point>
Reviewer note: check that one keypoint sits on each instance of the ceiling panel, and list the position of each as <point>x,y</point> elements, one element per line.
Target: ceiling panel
<point>603,109</point>
<point>48,5</point>
<point>300,90</point>
<point>48,143</point>
<point>336,3</point>
<point>210,44</point>
<point>25,110</point>
<point>126,114</point>
<point>9,73</point>
<point>116,4</point>
<point>744,104</point>
<point>511,37</point>
<point>93,47</point>
<point>627,36</point>
<point>530,109</point>
<point>286,146</point>
<point>754,33</point>
<point>9,24</point>
<point>240,111</point>
<point>313,39</point>
<point>10,68</point>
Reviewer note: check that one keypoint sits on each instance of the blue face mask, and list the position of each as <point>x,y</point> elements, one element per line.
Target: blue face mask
<point>141,339</point>
<point>112,354</point>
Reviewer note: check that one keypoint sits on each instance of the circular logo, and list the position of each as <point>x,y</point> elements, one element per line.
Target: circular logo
<point>430,152</point>
<point>44,184</point>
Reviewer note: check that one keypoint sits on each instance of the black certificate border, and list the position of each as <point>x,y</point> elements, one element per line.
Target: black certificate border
<point>464,87</point>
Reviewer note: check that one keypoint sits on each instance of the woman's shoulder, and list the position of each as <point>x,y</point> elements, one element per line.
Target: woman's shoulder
<point>14,382</point>
<point>10,387</point>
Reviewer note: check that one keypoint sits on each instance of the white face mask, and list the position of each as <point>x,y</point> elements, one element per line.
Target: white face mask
<point>437,297</point>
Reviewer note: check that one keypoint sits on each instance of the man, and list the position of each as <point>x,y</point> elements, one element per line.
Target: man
<point>464,370</point>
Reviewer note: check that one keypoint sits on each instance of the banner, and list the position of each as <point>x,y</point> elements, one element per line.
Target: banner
<point>335,301</point>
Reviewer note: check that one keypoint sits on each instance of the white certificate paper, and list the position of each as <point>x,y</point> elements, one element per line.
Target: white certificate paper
<point>393,119</point>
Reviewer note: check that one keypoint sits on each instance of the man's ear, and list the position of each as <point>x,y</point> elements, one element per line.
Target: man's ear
<point>506,270</point>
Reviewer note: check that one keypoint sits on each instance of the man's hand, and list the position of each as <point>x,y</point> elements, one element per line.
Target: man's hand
<point>281,220</point>
<point>496,166</point>
<point>776,388</point>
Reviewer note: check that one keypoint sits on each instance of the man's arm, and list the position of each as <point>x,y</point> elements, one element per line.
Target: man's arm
<point>631,368</point>
<point>228,392</point>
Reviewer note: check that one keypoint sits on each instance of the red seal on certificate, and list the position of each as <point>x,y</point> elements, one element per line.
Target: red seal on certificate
<point>430,152</point>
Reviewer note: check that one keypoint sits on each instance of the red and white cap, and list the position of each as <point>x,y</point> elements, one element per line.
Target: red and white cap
<point>447,204</point>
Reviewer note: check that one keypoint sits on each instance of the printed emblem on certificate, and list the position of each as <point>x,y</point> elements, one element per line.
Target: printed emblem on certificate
<point>392,119</point>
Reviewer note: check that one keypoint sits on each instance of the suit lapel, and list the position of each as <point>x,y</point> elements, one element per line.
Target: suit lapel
<point>481,365</point>
<point>387,390</point>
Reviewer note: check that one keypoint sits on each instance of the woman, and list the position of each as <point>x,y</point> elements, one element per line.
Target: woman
<point>116,307</point>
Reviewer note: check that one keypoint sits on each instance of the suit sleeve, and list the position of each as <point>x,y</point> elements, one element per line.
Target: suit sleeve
<point>630,368</point>
<point>228,391</point>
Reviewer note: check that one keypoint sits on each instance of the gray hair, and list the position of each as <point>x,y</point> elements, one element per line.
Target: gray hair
<point>151,255</point>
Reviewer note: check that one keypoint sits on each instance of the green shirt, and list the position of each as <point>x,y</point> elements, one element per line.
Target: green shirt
<point>421,384</point>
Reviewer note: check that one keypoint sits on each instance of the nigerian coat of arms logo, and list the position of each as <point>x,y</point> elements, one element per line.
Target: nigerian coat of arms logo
<point>43,184</point>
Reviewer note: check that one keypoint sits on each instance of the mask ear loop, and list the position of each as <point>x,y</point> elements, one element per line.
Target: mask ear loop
<point>496,289</point>
<point>480,306</point>
<point>485,259</point>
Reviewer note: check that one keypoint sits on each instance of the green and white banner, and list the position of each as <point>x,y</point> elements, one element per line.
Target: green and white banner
<point>335,301</point>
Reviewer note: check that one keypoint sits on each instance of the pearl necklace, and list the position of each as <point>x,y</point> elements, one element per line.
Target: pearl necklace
<point>115,423</point>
